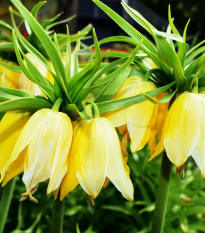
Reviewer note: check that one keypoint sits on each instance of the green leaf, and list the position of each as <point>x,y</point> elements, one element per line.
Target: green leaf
<point>72,111</point>
<point>195,54</point>
<point>147,46</point>
<point>6,46</point>
<point>47,44</point>
<point>89,73</point>
<point>167,54</point>
<point>169,35</point>
<point>60,22</point>
<point>171,22</point>
<point>182,53</point>
<point>11,67</point>
<point>117,78</point>
<point>10,93</point>
<point>138,18</point>
<point>36,8</point>
<point>5,25</point>
<point>47,22</point>
<point>112,105</point>
<point>185,30</point>
<point>195,47</point>
<point>27,104</point>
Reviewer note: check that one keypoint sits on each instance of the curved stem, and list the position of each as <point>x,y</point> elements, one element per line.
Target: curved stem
<point>162,195</point>
<point>57,216</point>
<point>5,203</point>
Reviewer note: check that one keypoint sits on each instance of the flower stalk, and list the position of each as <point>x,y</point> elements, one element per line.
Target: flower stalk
<point>57,216</point>
<point>5,203</point>
<point>162,195</point>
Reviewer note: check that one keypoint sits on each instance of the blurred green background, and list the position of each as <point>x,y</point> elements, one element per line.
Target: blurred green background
<point>112,213</point>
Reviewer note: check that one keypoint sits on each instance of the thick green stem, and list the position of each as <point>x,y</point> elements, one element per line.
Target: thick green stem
<point>162,195</point>
<point>5,203</point>
<point>57,216</point>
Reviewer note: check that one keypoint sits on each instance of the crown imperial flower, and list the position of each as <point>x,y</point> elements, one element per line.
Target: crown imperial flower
<point>184,131</point>
<point>45,142</point>
<point>96,154</point>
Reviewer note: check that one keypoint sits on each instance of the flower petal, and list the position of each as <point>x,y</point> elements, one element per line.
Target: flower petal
<point>91,155</point>
<point>141,119</point>
<point>41,149</point>
<point>118,171</point>
<point>10,128</point>
<point>199,152</point>
<point>182,128</point>
<point>15,168</point>
<point>60,161</point>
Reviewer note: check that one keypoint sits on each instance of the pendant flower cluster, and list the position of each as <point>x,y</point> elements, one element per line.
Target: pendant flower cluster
<point>39,146</point>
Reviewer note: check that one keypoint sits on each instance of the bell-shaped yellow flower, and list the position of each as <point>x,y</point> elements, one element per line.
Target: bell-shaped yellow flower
<point>45,140</point>
<point>140,118</point>
<point>96,154</point>
<point>26,84</point>
<point>8,78</point>
<point>184,131</point>
<point>11,126</point>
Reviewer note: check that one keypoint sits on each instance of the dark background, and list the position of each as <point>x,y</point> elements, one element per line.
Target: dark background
<point>155,11</point>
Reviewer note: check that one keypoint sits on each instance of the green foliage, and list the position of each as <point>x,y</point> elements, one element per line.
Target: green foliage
<point>112,213</point>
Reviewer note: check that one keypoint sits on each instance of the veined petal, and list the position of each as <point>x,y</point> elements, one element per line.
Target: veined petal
<point>118,117</point>
<point>70,180</point>
<point>182,128</point>
<point>91,156</point>
<point>199,152</point>
<point>15,168</point>
<point>10,128</point>
<point>60,160</point>
<point>27,133</point>
<point>141,119</point>
<point>161,116</point>
<point>118,171</point>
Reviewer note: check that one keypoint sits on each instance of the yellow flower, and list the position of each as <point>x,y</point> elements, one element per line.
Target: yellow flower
<point>45,140</point>
<point>96,154</point>
<point>140,118</point>
<point>26,84</point>
<point>184,131</point>
<point>11,126</point>
<point>8,78</point>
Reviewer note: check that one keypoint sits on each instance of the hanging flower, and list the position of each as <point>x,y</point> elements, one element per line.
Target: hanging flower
<point>96,154</point>
<point>45,142</point>
<point>184,131</point>
<point>140,118</point>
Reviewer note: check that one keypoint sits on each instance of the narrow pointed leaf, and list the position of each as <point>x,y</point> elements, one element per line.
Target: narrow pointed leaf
<point>30,104</point>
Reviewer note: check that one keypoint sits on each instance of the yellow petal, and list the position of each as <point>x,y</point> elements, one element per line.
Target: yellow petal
<point>28,132</point>
<point>70,180</point>
<point>60,160</point>
<point>141,118</point>
<point>161,116</point>
<point>199,152</point>
<point>48,149</point>
<point>38,161</point>
<point>8,78</point>
<point>91,156</point>
<point>118,171</point>
<point>15,168</point>
<point>182,128</point>
<point>10,128</point>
